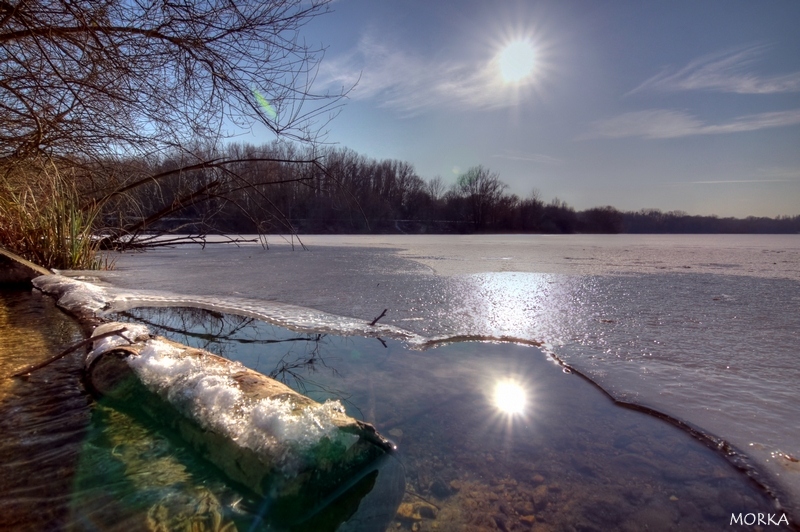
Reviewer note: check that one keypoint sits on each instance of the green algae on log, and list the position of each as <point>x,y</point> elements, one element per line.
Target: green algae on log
<point>262,434</point>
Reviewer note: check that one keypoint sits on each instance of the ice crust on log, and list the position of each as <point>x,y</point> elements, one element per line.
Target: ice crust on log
<point>258,431</point>
<point>89,300</point>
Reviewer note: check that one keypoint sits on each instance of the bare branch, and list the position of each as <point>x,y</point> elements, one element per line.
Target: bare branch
<point>111,77</point>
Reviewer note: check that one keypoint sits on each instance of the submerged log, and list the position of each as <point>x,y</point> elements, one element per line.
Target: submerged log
<point>282,445</point>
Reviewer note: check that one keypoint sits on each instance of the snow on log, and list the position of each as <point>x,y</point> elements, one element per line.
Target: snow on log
<point>259,432</point>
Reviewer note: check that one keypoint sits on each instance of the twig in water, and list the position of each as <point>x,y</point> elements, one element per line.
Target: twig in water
<point>379,317</point>
<point>69,350</point>
<point>423,499</point>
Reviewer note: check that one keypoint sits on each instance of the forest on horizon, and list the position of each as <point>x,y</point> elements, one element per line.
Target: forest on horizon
<point>353,193</point>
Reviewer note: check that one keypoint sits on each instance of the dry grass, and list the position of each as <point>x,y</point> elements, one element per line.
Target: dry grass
<point>41,218</point>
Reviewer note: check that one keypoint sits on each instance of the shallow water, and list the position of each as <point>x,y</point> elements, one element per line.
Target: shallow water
<point>701,327</point>
<point>72,463</point>
<point>568,458</point>
<point>42,419</point>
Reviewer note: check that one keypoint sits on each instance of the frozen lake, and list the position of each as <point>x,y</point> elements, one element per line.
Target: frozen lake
<point>701,327</point>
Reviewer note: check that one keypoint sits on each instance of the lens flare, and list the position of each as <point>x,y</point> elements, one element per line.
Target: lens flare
<point>510,397</point>
<point>264,103</point>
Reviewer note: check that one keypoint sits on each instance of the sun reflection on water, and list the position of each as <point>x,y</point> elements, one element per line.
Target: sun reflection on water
<point>518,305</point>
<point>511,402</point>
<point>510,397</point>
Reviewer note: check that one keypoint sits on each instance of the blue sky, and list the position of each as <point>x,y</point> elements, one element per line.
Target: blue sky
<point>690,106</point>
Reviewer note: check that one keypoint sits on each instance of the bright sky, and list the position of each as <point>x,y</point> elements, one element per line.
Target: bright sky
<point>690,106</point>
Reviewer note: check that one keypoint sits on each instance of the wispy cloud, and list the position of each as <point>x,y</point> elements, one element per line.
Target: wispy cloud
<point>529,157</point>
<point>784,173</point>
<point>759,176</point>
<point>736,181</point>
<point>726,71</point>
<point>665,124</point>
<point>412,84</point>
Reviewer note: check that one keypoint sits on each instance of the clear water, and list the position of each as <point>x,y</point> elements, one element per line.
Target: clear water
<point>565,457</point>
<point>72,463</point>
<point>704,328</point>
<point>42,419</point>
<point>701,328</point>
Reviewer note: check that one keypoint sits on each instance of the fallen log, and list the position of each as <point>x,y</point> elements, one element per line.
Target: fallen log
<point>285,447</point>
<point>15,269</point>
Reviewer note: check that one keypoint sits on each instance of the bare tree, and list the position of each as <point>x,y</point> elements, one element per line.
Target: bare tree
<point>103,91</point>
<point>104,77</point>
<point>482,189</point>
<point>436,188</point>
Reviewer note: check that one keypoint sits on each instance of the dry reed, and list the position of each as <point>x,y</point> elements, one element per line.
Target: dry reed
<point>41,218</point>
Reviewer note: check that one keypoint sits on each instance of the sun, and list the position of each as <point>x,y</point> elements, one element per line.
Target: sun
<point>517,61</point>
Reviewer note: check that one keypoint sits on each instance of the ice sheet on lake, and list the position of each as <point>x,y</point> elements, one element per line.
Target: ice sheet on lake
<point>78,296</point>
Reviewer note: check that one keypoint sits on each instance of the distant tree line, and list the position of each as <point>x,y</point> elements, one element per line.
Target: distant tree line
<point>655,221</point>
<point>264,190</point>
